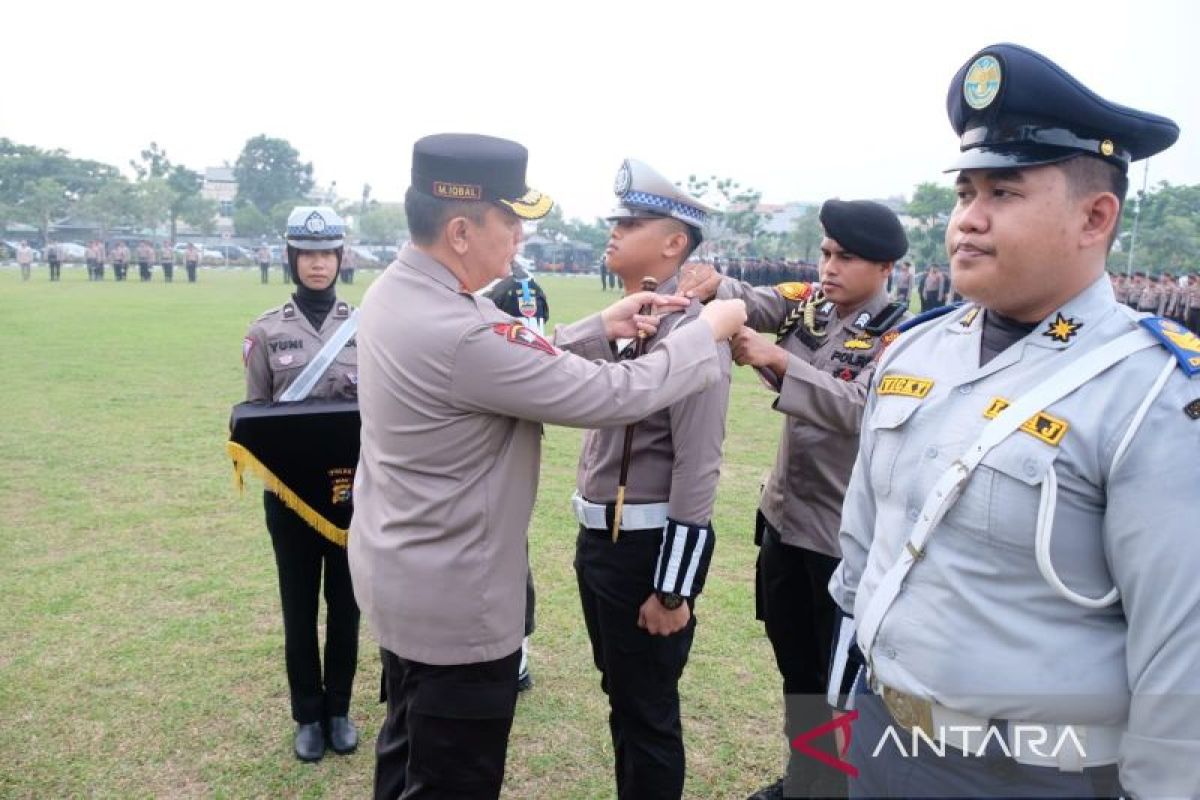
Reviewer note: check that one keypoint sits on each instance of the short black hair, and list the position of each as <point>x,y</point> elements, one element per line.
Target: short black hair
<point>1086,175</point>
<point>427,215</point>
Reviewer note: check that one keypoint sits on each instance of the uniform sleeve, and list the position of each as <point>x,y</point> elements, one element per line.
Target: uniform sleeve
<point>697,433</point>
<point>1153,553</point>
<point>821,399</point>
<point>857,526</point>
<point>585,338</point>
<point>766,309</point>
<point>519,374</point>
<point>259,387</point>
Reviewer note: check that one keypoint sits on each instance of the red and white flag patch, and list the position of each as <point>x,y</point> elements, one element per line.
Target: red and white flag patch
<point>247,346</point>
<point>516,333</point>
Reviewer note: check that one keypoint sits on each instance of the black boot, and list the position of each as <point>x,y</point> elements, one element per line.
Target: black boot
<point>772,792</point>
<point>310,742</point>
<point>343,736</point>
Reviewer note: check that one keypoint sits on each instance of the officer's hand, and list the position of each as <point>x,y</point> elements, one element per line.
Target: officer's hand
<point>698,282</point>
<point>660,621</point>
<point>623,318</point>
<point>752,350</point>
<point>726,317</point>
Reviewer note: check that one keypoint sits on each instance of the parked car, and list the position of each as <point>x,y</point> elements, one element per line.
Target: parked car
<point>72,251</point>
<point>365,257</point>
<point>232,251</point>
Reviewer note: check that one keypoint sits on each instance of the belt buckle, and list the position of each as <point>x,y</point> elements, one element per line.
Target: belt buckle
<point>908,711</point>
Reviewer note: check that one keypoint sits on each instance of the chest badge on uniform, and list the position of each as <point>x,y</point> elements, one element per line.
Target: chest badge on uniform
<point>905,386</point>
<point>1043,426</point>
<point>862,341</point>
<point>1062,329</point>
<point>286,359</point>
<point>517,333</point>
<point>342,485</point>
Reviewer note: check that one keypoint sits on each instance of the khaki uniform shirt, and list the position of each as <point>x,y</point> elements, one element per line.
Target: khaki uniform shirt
<point>1193,295</point>
<point>263,255</point>
<point>145,253</point>
<point>452,394</point>
<point>121,254</point>
<point>676,452</point>
<point>281,343</point>
<point>166,255</point>
<point>24,255</point>
<point>822,397</point>
<point>976,627</point>
<point>1148,300</point>
<point>191,255</point>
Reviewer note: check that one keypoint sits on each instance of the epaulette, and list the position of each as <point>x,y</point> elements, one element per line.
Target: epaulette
<point>1182,343</point>
<point>925,316</point>
<point>270,312</point>
<point>885,319</point>
<point>289,310</point>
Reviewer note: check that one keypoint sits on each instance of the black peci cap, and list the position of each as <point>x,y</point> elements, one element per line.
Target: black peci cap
<point>866,228</point>
<point>470,166</point>
<point>1013,107</point>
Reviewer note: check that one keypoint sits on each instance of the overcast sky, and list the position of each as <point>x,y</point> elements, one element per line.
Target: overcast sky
<point>803,101</point>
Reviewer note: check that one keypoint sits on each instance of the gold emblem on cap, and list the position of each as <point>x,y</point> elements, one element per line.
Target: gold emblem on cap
<point>982,83</point>
<point>1107,147</point>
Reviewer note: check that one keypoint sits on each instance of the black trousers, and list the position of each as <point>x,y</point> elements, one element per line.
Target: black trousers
<point>168,271</point>
<point>144,270</point>
<point>639,672</point>
<point>793,602</point>
<point>265,272</point>
<point>190,266</point>
<point>55,270</point>
<point>1193,319</point>
<point>347,275</point>
<point>301,555</point>
<point>119,271</point>
<point>446,731</point>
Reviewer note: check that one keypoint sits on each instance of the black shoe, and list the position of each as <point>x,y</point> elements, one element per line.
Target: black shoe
<point>525,681</point>
<point>343,736</point>
<point>772,792</point>
<point>310,742</point>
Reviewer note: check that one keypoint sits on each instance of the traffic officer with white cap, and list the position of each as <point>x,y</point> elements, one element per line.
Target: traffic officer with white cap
<point>453,393</point>
<point>639,590</point>
<point>1019,535</point>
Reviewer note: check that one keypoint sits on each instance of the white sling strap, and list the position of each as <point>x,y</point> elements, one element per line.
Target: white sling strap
<point>950,485</point>
<point>316,368</point>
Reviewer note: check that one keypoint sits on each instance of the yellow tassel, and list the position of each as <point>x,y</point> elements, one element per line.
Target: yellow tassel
<point>243,458</point>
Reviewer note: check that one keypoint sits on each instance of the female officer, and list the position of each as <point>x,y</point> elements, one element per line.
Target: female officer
<point>277,348</point>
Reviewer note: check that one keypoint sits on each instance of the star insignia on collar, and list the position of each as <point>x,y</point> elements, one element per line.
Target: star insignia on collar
<point>1062,328</point>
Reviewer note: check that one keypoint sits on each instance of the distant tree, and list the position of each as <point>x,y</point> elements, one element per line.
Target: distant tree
<point>23,165</point>
<point>739,222</point>
<point>930,206</point>
<point>269,171</point>
<point>1168,229</point>
<point>553,225</point>
<point>279,213</point>
<point>44,201</point>
<point>383,222</point>
<point>152,163</point>
<point>807,234</point>
<point>249,221</point>
<point>154,199</point>
<point>113,204</point>
<point>198,212</point>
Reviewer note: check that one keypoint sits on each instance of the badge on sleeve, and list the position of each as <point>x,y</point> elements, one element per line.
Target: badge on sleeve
<point>247,346</point>
<point>794,290</point>
<point>516,333</point>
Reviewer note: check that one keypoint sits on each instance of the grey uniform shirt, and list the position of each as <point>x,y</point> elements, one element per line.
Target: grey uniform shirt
<point>452,394</point>
<point>975,626</point>
<point>676,452</point>
<point>280,344</point>
<point>821,396</point>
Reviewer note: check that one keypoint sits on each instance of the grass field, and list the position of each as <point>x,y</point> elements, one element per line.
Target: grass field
<point>141,645</point>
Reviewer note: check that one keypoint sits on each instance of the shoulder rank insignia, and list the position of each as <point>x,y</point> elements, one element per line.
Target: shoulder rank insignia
<point>1062,329</point>
<point>517,333</point>
<point>969,317</point>
<point>905,386</point>
<point>289,311</point>
<point>1182,343</point>
<point>795,290</point>
<point>342,310</point>
<point>926,316</point>
<point>1043,426</point>
<point>885,319</point>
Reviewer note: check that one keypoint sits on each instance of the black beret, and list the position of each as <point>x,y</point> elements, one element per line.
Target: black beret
<point>470,166</point>
<point>1013,107</point>
<point>867,229</point>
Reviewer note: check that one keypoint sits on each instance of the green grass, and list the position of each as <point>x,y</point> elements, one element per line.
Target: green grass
<point>141,646</point>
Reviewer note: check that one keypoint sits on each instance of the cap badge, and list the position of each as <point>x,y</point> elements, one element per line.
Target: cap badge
<point>315,223</point>
<point>1107,147</point>
<point>982,83</point>
<point>623,181</point>
<point>1062,329</point>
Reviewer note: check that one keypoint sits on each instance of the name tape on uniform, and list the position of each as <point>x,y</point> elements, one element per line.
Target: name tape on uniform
<point>1043,426</point>
<point>905,385</point>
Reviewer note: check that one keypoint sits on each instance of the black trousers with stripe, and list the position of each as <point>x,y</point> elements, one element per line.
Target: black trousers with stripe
<point>639,672</point>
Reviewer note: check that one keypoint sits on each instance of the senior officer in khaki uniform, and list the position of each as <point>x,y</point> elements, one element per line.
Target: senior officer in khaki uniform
<point>1019,535</point>
<point>452,395</point>
<point>821,363</point>
<point>638,593</point>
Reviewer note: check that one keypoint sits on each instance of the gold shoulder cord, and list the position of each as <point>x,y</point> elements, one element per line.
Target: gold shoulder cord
<point>810,315</point>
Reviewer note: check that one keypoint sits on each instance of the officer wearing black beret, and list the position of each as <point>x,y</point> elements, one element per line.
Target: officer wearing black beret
<point>1019,548</point>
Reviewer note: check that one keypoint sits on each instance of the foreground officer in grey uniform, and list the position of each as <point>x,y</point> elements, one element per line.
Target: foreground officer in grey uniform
<point>452,394</point>
<point>638,593</point>
<point>1019,534</point>
<point>827,340</point>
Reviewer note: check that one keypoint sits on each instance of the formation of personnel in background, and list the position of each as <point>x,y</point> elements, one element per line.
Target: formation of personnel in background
<point>902,282</point>
<point>120,259</point>
<point>640,574</point>
<point>263,256</point>
<point>453,393</point>
<point>25,260</point>
<point>166,257</point>
<point>521,297</point>
<point>95,260</point>
<point>191,260</point>
<point>54,260</point>
<point>827,339</point>
<point>145,260</point>
<point>766,271</point>
<point>935,288</point>
<point>350,264</point>
<point>275,352</point>
<point>1019,535</point>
